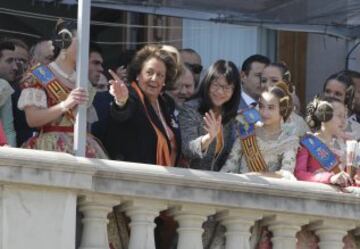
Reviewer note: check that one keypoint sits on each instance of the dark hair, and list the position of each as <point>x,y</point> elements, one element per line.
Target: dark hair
<point>246,66</point>
<point>95,48</point>
<point>188,50</point>
<point>320,110</point>
<point>6,45</point>
<point>18,43</point>
<point>281,91</point>
<point>352,74</point>
<point>146,53</point>
<point>63,34</point>
<point>231,74</point>
<point>345,79</point>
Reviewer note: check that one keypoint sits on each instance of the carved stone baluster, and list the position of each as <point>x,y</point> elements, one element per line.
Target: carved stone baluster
<point>238,223</point>
<point>95,210</point>
<point>284,228</point>
<point>331,232</point>
<point>142,213</point>
<point>190,219</point>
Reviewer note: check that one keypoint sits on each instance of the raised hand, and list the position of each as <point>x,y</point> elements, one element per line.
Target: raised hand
<point>118,89</point>
<point>76,97</point>
<point>122,72</point>
<point>212,124</point>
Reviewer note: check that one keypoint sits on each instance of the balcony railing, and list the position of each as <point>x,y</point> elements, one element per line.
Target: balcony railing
<point>40,192</point>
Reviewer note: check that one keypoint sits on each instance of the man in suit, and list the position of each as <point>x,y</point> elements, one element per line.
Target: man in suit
<point>250,75</point>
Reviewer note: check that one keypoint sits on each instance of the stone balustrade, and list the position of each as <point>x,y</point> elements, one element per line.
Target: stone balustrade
<point>41,191</point>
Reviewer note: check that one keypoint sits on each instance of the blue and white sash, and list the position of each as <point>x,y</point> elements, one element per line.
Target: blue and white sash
<point>321,152</point>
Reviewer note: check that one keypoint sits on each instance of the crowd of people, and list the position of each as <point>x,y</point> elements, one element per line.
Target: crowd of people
<point>161,108</point>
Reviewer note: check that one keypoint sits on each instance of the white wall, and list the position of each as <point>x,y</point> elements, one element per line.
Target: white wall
<point>325,56</point>
<point>215,41</point>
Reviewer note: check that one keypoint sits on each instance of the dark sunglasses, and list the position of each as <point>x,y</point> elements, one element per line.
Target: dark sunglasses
<point>195,68</point>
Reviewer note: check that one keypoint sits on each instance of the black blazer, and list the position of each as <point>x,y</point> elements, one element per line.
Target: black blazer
<point>130,135</point>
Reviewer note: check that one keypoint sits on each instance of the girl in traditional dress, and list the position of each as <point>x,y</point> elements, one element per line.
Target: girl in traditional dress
<point>277,147</point>
<point>50,98</point>
<point>318,160</point>
<point>274,73</point>
<point>268,150</point>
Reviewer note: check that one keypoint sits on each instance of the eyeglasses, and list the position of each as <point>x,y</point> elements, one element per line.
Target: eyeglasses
<point>226,88</point>
<point>195,68</point>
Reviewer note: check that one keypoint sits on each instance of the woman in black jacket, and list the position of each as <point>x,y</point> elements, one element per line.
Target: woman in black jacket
<point>140,127</point>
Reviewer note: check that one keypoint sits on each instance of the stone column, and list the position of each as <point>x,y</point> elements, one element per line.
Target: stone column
<point>331,232</point>
<point>142,213</point>
<point>95,210</point>
<point>238,224</point>
<point>284,228</point>
<point>190,219</point>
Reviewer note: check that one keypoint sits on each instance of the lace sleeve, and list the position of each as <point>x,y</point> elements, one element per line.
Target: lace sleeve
<point>289,159</point>
<point>32,97</point>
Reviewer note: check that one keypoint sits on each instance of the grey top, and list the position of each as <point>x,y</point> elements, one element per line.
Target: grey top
<point>192,129</point>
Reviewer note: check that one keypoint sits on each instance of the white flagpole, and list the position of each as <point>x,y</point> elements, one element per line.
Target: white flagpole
<point>82,67</point>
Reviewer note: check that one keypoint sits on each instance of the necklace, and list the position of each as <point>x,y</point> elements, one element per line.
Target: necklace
<point>70,77</point>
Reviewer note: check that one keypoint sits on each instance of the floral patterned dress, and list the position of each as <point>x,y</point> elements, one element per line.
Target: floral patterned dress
<point>279,154</point>
<point>296,124</point>
<point>58,134</point>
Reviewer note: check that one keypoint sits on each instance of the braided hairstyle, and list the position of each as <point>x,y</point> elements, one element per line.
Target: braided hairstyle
<point>281,91</point>
<point>320,110</point>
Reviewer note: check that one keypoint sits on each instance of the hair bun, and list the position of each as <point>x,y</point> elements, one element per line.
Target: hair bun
<point>63,36</point>
<point>281,90</point>
<point>283,86</point>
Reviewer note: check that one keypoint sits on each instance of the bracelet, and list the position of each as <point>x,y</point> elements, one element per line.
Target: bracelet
<point>63,107</point>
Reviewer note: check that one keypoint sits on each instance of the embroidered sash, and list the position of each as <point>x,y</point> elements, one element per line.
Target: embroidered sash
<point>55,90</point>
<point>162,149</point>
<point>326,158</point>
<point>247,120</point>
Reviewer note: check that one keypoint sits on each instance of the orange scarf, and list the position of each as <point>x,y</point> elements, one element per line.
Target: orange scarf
<point>162,149</point>
<point>219,142</point>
